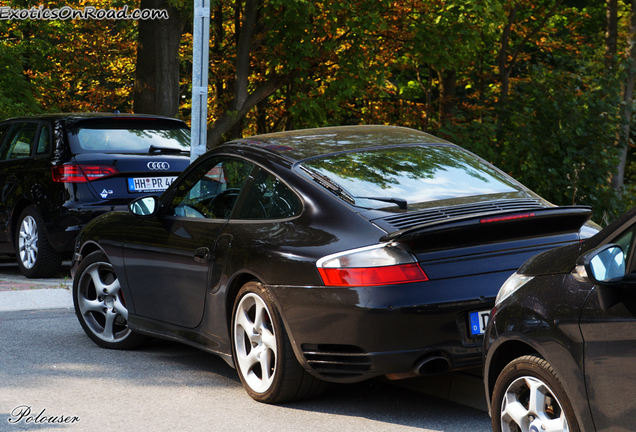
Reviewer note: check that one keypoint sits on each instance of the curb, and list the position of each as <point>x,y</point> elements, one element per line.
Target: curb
<point>17,293</point>
<point>30,299</point>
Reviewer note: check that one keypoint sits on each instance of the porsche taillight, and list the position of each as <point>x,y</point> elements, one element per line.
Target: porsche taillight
<point>372,265</point>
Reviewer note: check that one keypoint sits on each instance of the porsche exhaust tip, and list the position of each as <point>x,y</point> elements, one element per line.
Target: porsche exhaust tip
<point>432,365</point>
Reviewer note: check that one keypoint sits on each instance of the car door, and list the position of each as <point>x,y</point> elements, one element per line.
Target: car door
<point>4,128</point>
<point>37,171</point>
<point>262,230</point>
<point>610,348</point>
<point>168,257</point>
<point>15,157</point>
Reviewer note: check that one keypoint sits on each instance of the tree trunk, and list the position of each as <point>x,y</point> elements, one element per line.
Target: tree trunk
<point>156,88</point>
<point>243,101</point>
<point>505,64</point>
<point>230,118</point>
<point>447,87</point>
<point>611,34</point>
<point>504,67</point>
<point>219,34</point>
<point>628,97</point>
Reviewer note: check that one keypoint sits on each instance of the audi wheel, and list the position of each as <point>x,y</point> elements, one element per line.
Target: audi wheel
<point>36,257</point>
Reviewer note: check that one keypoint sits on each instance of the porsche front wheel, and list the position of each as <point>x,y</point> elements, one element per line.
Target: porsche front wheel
<point>100,305</point>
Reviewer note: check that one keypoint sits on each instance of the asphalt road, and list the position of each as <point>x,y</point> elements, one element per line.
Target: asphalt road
<point>50,370</point>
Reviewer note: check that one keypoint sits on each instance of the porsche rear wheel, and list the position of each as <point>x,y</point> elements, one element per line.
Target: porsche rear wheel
<point>263,354</point>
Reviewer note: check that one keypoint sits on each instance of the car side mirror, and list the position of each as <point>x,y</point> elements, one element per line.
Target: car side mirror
<point>605,267</point>
<point>144,206</point>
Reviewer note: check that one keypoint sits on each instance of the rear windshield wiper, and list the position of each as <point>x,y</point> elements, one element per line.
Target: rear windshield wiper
<point>157,149</point>
<point>401,203</point>
<point>329,184</point>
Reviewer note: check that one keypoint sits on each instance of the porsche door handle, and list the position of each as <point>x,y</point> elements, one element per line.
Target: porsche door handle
<point>202,254</point>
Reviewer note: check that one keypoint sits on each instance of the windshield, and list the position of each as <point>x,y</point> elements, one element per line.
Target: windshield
<point>410,174</point>
<point>128,140</point>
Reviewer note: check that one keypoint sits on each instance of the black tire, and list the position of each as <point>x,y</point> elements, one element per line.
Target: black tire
<point>262,352</point>
<point>36,257</point>
<point>100,306</point>
<point>516,385</point>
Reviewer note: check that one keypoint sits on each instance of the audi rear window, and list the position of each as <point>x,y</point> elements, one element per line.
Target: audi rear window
<point>125,137</point>
<point>409,174</point>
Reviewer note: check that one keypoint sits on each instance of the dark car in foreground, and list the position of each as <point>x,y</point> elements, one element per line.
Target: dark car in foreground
<point>336,254</point>
<point>58,171</point>
<point>560,348</point>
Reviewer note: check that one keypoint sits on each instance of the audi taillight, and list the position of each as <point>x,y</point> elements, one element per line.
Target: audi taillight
<point>75,173</point>
<point>368,266</point>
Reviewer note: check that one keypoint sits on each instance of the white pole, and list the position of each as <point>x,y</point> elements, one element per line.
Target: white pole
<point>200,60</point>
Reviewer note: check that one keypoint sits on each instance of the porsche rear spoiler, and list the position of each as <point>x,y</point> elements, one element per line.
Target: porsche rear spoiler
<point>494,226</point>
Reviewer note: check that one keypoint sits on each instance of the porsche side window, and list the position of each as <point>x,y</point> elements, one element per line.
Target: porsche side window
<point>269,198</point>
<point>20,141</point>
<point>211,190</point>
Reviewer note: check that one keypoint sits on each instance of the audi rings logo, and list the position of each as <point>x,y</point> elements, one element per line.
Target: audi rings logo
<point>158,166</point>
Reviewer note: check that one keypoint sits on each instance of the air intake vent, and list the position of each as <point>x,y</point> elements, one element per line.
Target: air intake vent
<point>337,361</point>
<point>411,219</point>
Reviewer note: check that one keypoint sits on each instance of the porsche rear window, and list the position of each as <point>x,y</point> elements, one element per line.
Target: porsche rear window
<point>415,174</point>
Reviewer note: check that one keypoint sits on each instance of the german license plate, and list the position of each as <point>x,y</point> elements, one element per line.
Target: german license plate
<point>149,184</point>
<point>478,322</point>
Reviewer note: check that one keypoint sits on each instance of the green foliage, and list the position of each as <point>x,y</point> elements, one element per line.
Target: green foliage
<point>452,33</point>
<point>66,65</point>
<point>16,93</point>
<point>557,137</point>
<point>372,62</point>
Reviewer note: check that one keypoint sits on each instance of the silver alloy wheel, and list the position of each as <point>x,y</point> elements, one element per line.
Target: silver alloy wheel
<point>28,242</point>
<point>530,405</point>
<point>100,303</point>
<point>255,343</point>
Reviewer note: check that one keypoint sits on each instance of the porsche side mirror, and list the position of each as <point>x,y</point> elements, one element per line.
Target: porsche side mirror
<point>144,206</point>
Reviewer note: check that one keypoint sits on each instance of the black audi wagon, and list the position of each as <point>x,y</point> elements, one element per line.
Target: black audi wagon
<point>59,171</point>
<point>302,257</point>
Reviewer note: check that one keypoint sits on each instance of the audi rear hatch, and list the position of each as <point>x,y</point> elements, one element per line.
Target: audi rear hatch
<point>121,158</point>
<point>126,176</point>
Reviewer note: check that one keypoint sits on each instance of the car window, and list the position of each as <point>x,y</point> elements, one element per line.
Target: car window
<point>211,190</point>
<point>44,142</point>
<point>127,137</point>
<point>20,141</point>
<point>3,129</point>
<point>269,198</point>
<point>626,242</point>
<point>416,174</point>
